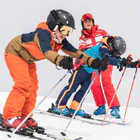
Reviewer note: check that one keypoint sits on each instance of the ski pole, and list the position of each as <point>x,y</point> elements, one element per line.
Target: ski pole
<point>10,135</point>
<point>63,133</point>
<point>128,100</point>
<point>102,123</point>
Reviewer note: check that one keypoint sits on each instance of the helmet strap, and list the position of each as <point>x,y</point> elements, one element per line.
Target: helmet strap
<point>54,36</point>
<point>55,28</point>
<point>55,39</point>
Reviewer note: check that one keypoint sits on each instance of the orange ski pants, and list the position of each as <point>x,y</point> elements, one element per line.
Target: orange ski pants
<point>107,86</point>
<point>22,98</point>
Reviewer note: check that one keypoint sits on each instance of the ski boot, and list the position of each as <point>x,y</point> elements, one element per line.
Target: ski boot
<point>13,123</point>
<point>10,124</point>
<point>115,112</point>
<point>59,111</point>
<point>31,123</point>
<point>81,113</point>
<point>101,110</point>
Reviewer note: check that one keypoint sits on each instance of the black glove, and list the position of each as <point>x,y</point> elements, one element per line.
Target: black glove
<point>135,64</point>
<point>105,63</point>
<point>125,62</point>
<point>66,63</point>
<point>102,65</point>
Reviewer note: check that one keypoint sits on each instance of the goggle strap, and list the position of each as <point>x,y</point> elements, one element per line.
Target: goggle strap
<point>56,17</point>
<point>68,33</point>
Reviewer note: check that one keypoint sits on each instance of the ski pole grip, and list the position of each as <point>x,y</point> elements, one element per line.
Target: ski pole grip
<point>138,64</point>
<point>130,55</point>
<point>129,58</point>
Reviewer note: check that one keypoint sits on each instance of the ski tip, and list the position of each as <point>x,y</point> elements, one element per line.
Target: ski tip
<point>80,138</point>
<point>63,134</point>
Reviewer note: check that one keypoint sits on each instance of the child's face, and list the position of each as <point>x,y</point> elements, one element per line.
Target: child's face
<point>59,36</point>
<point>88,23</point>
<point>63,32</point>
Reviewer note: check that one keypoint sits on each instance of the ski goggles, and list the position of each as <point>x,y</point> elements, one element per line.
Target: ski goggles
<point>86,16</point>
<point>66,30</point>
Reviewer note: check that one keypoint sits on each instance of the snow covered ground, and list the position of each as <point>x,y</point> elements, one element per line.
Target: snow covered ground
<point>55,125</point>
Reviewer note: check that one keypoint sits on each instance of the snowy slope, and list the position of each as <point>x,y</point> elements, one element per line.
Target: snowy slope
<point>55,125</point>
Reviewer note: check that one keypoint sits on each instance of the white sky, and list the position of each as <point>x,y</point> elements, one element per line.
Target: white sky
<point>119,17</point>
<point>55,125</point>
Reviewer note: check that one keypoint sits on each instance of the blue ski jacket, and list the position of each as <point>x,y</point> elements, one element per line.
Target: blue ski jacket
<point>99,51</point>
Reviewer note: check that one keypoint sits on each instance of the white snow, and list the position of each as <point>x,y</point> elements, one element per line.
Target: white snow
<point>55,125</point>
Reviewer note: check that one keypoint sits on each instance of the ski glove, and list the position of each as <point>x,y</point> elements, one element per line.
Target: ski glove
<point>102,65</point>
<point>125,62</point>
<point>135,64</point>
<point>105,64</point>
<point>66,63</point>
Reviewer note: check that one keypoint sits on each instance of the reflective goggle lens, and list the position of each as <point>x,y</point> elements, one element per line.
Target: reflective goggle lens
<point>86,16</point>
<point>66,30</point>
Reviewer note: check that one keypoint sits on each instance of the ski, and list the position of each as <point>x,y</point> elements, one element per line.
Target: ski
<point>31,136</point>
<point>36,137</point>
<point>38,133</point>
<point>117,122</point>
<point>95,121</point>
<point>27,132</point>
<point>112,120</point>
<point>61,137</point>
<point>38,111</point>
<point>88,117</point>
<point>82,119</point>
<point>120,122</point>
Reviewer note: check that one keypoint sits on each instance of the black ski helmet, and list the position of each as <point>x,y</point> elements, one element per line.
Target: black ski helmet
<point>118,45</point>
<point>60,17</point>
